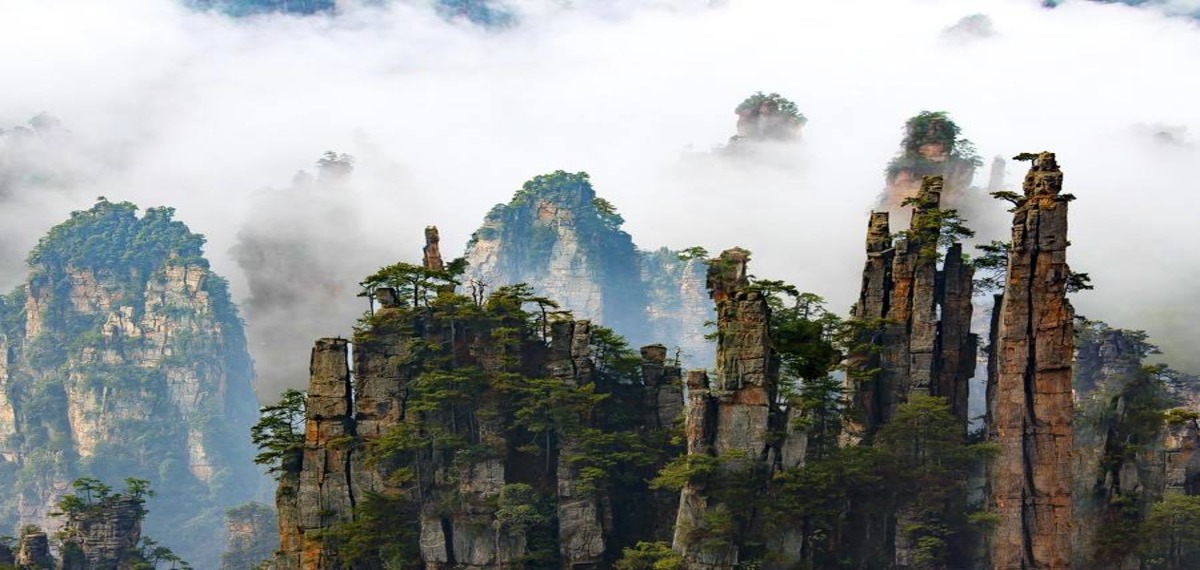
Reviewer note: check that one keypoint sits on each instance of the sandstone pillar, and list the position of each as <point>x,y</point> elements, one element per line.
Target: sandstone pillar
<point>1031,478</point>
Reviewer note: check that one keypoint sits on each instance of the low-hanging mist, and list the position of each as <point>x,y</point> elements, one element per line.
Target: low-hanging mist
<point>162,105</point>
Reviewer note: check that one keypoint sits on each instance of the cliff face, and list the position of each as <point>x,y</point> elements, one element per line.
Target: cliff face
<point>559,237</point>
<point>104,536</point>
<point>736,420</point>
<point>125,358</point>
<point>916,317</point>
<point>252,535</point>
<point>1032,411</point>
<point>466,439</point>
<point>1135,439</point>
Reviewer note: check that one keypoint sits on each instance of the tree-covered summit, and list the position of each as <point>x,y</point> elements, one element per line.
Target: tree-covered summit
<point>110,235</point>
<point>927,136</point>
<point>572,191</point>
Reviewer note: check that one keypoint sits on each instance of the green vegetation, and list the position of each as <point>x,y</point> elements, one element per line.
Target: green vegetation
<point>99,280</point>
<point>1169,539</point>
<point>923,133</point>
<point>562,205</point>
<point>110,236</point>
<point>467,361</point>
<point>279,433</point>
<point>650,556</point>
<point>775,101</point>
<point>934,229</point>
<point>94,500</point>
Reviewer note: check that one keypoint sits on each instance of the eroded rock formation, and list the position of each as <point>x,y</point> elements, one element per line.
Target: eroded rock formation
<point>1033,408</point>
<point>916,318</point>
<point>34,550</point>
<point>252,534</point>
<point>734,418</point>
<point>478,437</point>
<point>103,536</point>
<point>931,147</point>
<point>767,118</point>
<point>123,356</point>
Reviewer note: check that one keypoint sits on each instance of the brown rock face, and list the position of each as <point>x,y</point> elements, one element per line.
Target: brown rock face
<point>918,317</point>
<point>1033,408</point>
<point>433,251</point>
<point>733,417</point>
<point>104,537</point>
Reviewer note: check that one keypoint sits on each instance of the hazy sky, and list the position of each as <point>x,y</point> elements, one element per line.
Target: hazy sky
<point>201,112</point>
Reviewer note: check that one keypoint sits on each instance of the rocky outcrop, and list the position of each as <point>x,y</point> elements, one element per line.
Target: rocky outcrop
<point>931,147</point>
<point>734,418</point>
<point>562,239</point>
<point>767,118</point>
<point>103,536</point>
<point>483,436</point>
<point>915,318</point>
<point>123,355</point>
<point>677,303</point>
<point>1033,408</point>
<point>432,254</point>
<point>252,534</point>
<point>34,551</point>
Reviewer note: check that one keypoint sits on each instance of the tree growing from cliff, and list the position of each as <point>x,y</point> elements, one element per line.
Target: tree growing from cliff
<point>279,433</point>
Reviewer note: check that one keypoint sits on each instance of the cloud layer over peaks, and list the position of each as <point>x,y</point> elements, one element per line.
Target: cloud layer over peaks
<point>166,105</point>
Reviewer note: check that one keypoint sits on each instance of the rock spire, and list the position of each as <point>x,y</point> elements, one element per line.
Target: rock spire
<point>1033,406</point>
<point>915,316</point>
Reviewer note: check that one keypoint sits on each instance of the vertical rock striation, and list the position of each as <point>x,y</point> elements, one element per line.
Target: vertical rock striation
<point>915,318</point>
<point>432,254</point>
<point>104,536</point>
<point>1034,408</point>
<point>480,438</point>
<point>734,419</point>
<point>34,550</point>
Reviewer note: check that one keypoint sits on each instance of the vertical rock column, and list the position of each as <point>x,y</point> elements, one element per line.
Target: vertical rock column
<point>325,493</point>
<point>583,518</point>
<point>956,346</point>
<point>34,552</point>
<point>432,258</point>
<point>664,390</point>
<point>745,383</point>
<point>872,307</point>
<point>734,416</point>
<point>1031,482</point>
<point>918,317</point>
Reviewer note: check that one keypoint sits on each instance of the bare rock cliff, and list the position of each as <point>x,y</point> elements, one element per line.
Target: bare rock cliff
<point>1033,407</point>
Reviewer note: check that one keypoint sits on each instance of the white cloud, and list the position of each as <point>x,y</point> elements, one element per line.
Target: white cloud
<point>199,111</point>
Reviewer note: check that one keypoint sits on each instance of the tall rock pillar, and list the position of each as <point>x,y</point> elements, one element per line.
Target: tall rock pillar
<point>733,417</point>
<point>1031,478</point>
<point>916,317</point>
<point>432,253</point>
